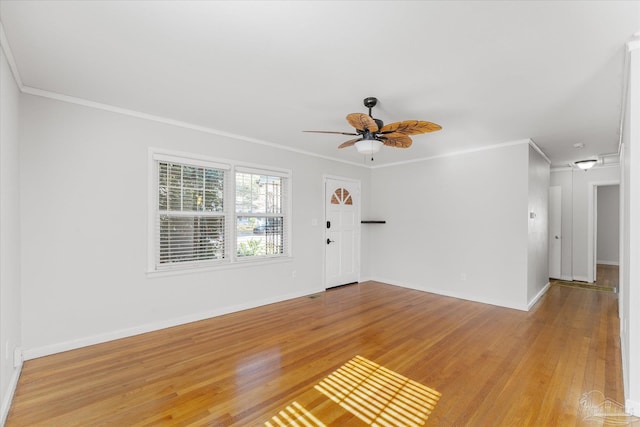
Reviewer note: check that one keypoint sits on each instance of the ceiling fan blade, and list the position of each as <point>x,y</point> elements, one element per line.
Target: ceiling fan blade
<point>329,131</point>
<point>396,139</point>
<point>349,143</point>
<point>410,127</point>
<point>362,122</point>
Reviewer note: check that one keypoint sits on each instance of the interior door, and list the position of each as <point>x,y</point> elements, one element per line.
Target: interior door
<point>555,235</point>
<point>342,232</point>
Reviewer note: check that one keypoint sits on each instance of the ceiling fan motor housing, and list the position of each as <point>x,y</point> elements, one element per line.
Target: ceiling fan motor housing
<point>370,102</point>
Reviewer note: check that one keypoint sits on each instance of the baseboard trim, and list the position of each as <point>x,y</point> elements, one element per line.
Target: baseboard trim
<point>505,304</point>
<point>36,352</point>
<point>536,298</point>
<point>608,262</point>
<point>8,397</point>
<point>631,407</point>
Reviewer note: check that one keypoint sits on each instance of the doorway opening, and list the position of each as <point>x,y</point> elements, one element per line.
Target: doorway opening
<point>606,233</point>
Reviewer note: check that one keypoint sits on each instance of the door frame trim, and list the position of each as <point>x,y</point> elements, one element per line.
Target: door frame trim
<point>592,225</point>
<point>560,276</point>
<point>358,183</point>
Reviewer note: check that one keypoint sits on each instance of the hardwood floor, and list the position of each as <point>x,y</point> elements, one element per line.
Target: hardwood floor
<point>484,365</point>
<point>606,280</point>
<point>607,276</point>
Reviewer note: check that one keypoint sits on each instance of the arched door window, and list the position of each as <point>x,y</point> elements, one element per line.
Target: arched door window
<point>341,197</point>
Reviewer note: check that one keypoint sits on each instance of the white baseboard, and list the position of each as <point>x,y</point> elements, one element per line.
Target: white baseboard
<point>457,295</point>
<point>8,397</point>
<point>632,407</point>
<point>536,298</point>
<point>608,262</point>
<point>34,353</point>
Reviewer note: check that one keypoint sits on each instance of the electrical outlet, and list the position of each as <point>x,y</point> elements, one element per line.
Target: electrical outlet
<point>463,276</point>
<point>293,274</point>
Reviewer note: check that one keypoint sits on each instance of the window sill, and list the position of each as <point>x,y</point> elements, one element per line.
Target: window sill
<point>244,263</point>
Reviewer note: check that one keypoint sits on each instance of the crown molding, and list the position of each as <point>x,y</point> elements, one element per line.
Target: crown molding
<point>4,44</point>
<point>596,166</point>
<point>186,125</point>
<point>533,145</point>
<point>178,123</point>
<point>457,153</point>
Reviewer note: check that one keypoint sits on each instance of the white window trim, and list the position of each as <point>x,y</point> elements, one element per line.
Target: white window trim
<point>231,259</point>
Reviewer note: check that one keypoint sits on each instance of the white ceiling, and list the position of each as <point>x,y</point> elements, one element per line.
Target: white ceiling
<point>488,72</point>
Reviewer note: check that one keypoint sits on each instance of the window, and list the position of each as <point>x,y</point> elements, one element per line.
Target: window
<point>190,214</point>
<point>260,219</point>
<point>194,223</point>
<point>341,197</point>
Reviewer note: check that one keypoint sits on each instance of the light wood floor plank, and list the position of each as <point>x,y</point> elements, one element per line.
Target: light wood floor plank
<point>493,366</point>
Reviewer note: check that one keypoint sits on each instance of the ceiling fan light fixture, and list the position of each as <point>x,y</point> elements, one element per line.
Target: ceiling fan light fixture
<point>371,134</point>
<point>585,164</point>
<point>368,146</point>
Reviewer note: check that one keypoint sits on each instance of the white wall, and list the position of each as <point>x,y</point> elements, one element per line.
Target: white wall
<point>10,329</point>
<point>455,225</point>
<point>576,188</point>
<point>538,248</point>
<point>608,241</point>
<point>630,248</point>
<point>84,228</point>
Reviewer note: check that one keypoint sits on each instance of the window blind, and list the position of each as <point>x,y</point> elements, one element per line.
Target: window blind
<point>191,219</point>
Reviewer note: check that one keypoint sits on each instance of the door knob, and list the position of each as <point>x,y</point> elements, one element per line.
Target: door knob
<point>557,237</point>
<point>329,241</point>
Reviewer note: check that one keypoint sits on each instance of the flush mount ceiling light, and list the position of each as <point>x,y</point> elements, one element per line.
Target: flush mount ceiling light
<point>585,164</point>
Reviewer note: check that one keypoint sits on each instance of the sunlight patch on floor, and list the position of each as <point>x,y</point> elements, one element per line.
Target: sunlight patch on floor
<point>376,395</point>
<point>294,415</point>
<point>379,396</point>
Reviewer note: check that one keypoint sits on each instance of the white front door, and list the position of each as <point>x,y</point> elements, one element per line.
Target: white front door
<point>342,232</point>
<point>555,228</point>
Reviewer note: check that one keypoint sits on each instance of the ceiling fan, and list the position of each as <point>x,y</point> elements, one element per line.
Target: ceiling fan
<point>373,133</point>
